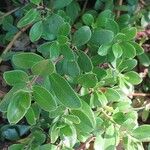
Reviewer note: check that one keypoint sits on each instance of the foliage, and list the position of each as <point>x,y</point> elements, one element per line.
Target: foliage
<point>78,83</point>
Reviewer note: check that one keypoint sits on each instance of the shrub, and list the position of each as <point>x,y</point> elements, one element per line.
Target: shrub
<point>77,87</point>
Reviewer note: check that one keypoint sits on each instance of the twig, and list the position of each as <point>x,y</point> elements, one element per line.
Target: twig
<point>118,12</point>
<point>13,41</point>
<point>8,13</point>
<point>83,145</point>
<point>2,94</point>
<point>141,94</point>
<point>84,6</point>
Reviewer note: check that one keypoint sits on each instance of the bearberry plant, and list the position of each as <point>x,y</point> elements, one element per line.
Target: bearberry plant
<point>73,87</point>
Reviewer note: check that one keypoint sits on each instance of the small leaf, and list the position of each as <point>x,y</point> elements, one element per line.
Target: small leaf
<point>112,95</point>
<point>87,80</point>
<point>64,29</point>
<point>16,147</point>
<point>30,116</point>
<point>86,115</point>
<point>43,68</point>
<point>26,60</point>
<point>117,50</point>
<point>144,59</point>
<point>72,118</point>
<point>84,61</point>
<point>64,92</point>
<point>130,32</point>
<point>18,107</point>
<point>29,18</point>
<point>54,133</point>
<point>128,50</point>
<point>81,36</point>
<point>36,2</point>
<point>43,98</point>
<point>88,19</point>
<point>58,4</point>
<point>103,49</point>
<point>102,36</point>
<point>142,133</point>
<point>15,77</point>
<point>138,48</point>
<point>133,77</point>
<point>36,31</point>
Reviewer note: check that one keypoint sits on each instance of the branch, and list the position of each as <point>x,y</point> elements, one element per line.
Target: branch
<point>83,145</point>
<point>118,12</point>
<point>9,46</point>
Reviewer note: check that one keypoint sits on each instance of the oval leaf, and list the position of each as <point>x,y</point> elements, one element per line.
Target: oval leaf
<point>43,98</point>
<point>64,92</point>
<point>18,107</point>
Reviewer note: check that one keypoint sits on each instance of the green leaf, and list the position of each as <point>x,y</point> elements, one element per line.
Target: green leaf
<point>16,147</point>
<point>43,68</point>
<point>7,98</point>
<point>71,68</point>
<point>72,118</point>
<point>127,65</point>
<point>30,116</point>
<point>130,32</point>
<point>54,50</point>
<point>58,4</point>
<point>112,26</point>
<point>15,77</point>
<point>100,73</point>
<point>52,25</point>
<point>64,92</point>
<point>144,59</point>
<point>142,133</point>
<point>117,50</point>
<point>133,77</point>
<point>86,115</point>
<point>43,98</point>
<point>36,31</point>
<point>84,61</point>
<point>88,19</point>
<point>67,52</point>
<point>119,118</point>
<point>112,95</point>
<point>102,36</point>
<point>29,18</point>
<point>103,49</point>
<point>65,29</point>
<point>46,147</point>
<point>54,133</point>
<point>36,2</point>
<point>18,106</point>
<point>138,48</point>
<point>26,60</point>
<point>128,50</point>
<point>81,36</point>
<point>87,80</point>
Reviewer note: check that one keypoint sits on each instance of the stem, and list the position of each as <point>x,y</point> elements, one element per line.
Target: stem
<point>13,41</point>
<point>83,145</point>
<point>118,12</point>
<point>10,12</point>
<point>33,81</point>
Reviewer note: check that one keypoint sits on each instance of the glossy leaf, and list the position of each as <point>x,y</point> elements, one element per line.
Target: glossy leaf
<point>36,31</point>
<point>142,133</point>
<point>43,68</point>
<point>84,62</point>
<point>81,36</point>
<point>26,60</point>
<point>29,18</point>
<point>64,92</point>
<point>58,4</point>
<point>133,77</point>
<point>18,107</point>
<point>43,98</point>
<point>15,77</point>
